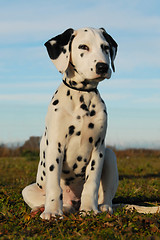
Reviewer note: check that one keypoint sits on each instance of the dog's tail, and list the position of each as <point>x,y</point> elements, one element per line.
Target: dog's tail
<point>139,209</point>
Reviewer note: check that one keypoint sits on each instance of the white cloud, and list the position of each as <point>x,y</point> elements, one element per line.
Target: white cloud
<point>26,98</point>
<point>137,32</point>
<point>131,83</point>
<point>153,99</point>
<point>29,85</point>
<point>34,20</point>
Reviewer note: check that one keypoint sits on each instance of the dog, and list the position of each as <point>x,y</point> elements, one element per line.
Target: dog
<point>76,171</point>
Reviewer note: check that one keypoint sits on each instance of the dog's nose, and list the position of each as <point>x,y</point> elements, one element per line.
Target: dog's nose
<point>101,68</point>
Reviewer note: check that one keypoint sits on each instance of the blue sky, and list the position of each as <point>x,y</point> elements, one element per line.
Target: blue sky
<point>28,78</point>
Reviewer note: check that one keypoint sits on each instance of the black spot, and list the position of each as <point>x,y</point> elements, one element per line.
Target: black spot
<point>66,171</point>
<point>57,160</point>
<point>41,163</point>
<point>40,186</point>
<point>59,144</point>
<point>87,177</point>
<point>66,136</point>
<point>51,168</point>
<point>85,160</point>
<point>55,102</point>
<point>70,82</point>
<point>85,30</point>
<point>85,83</point>
<point>83,169</point>
<point>44,154</point>
<point>64,50</point>
<point>44,165</point>
<point>68,92</point>
<point>52,200</point>
<point>70,179</point>
<point>71,129</point>
<point>44,174</point>
<point>92,113</point>
<point>59,150</point>
<point>100,155</point>
<point>91,125</point>
<point>97,142</point>
<point>105,111</point>
<point>73,82</point>
<point>78,133</point>
<point>102,141</point>
<point>81,98</point>
<point>72,64</point>
<point>84,107</point>
<point>81,54</point>
<point>55,109</point>
<point>41,178</point>
<point>93,105</point>
<point>56,92</point>
<point>91,69</point>
<point>102,101</point>
<point>75,71</point>
<point>71,97</point>
<point>90,139</point>
<point>92,163</point>
<point>47,142</point>
<point>61,197</point>
<point>79,158</point>
<point>64,158</point>
<point>80,175</point>
<point>92,168</point>
<point>78,117</point>
<point>75,166</point>
<point>67,183</point>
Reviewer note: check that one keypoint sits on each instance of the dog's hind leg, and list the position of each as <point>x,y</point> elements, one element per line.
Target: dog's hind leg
<point>109,181</point>
<point>34,196</point>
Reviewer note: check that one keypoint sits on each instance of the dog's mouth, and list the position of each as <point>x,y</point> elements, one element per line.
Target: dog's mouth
<point>102,76</point>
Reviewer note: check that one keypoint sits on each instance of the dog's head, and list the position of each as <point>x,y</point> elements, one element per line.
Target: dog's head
<point>89,51</point>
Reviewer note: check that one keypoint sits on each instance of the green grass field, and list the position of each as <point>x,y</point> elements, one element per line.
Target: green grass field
<point>139,175</point>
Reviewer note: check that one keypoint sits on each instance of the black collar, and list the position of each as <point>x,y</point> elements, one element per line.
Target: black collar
<point>81,89</point>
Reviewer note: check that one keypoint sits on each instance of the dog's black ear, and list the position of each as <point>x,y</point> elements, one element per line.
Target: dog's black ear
<point>113,46</point>
<point>59,49</point>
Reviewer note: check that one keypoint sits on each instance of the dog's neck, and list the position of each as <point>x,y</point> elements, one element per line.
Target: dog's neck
<point>74,80</point>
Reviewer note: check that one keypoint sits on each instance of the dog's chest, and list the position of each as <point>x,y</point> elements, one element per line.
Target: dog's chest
<point>81,123</point>
<point>78,115</point>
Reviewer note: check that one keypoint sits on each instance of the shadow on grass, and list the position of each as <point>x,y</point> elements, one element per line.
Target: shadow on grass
<point>121,177</point>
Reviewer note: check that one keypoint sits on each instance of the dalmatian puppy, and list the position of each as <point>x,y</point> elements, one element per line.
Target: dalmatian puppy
<point>76,171</point>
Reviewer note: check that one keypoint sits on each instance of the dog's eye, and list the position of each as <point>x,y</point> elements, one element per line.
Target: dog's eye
<point>84,47</point>
<point>105,48</point>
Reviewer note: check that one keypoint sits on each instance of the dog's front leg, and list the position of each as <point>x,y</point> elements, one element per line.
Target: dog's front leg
<point>53,201</point>
<point>89,198</point>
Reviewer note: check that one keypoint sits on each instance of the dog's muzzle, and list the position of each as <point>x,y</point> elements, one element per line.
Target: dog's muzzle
<point>102,68</point>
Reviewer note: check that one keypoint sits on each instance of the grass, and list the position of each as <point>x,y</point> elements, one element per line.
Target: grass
<point>139,184</point>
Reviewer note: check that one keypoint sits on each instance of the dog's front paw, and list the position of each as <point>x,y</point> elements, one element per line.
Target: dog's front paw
<point>84,209</point>
<point>106,208</point>
<point>47,215</point>
<point>88,212</point>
